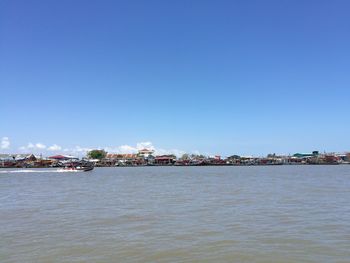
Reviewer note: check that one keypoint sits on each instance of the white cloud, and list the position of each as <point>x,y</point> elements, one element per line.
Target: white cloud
<point>143,145</point>
<point>40,145</point>
<point>176,152</point>
<point>54,147</point>
<point>121,149</point>
<point>77,150</point>
<point>158,151</point>
<point>31,146</point>
<point>5,143</point>
<point>81,151</point>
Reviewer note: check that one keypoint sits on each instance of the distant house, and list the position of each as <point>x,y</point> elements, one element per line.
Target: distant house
<point>165,160</point>
<point>147,156</point>
<point>17,157</point>
<point>234,159</point>
<point>30,158</point>
<point>62,157</point>
<point>145,153</point>
<point>17,160</point>
<point>7,157</point>
<point>305,155</point>
<point>121,156</point>
<point>348,157</point>
<point>123,159</point>
<point>332,159</point>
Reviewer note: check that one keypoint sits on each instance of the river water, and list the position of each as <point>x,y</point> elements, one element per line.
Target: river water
<point>176,214</point>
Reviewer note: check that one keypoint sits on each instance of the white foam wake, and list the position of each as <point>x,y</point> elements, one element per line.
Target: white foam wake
<point>39,171</point>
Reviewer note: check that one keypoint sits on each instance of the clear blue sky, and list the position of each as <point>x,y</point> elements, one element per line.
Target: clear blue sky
<point>245,77</point>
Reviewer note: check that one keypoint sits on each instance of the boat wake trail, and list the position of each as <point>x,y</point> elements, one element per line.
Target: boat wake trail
<point>38,171</point>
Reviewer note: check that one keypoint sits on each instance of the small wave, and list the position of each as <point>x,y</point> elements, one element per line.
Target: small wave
<point>66,171</point>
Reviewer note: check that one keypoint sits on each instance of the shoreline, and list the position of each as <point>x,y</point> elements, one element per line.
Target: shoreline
<point>209,165</point>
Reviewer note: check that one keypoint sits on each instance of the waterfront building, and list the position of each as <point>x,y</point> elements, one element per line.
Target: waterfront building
<point>145,153</point>
<point>123,159</point>
<point>165,160</point>
<point>147,156</point>
<point>306,155</point>
<point>17,160</point>
<point>63,158</point>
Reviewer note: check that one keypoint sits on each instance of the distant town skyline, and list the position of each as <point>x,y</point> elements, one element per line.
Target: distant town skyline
<point>44,150</point>
<point>223,77</point>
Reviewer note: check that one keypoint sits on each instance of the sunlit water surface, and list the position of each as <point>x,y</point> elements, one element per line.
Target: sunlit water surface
<point>176,214</point>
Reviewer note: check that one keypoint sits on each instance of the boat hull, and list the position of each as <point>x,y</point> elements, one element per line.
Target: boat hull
<point>85,169</point>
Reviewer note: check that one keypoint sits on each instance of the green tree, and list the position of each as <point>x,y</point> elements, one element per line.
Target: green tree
<point>197,156</point>
<point>97,154</point>
<point>185,156</point>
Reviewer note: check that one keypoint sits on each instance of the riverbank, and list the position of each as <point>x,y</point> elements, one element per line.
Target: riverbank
<point>147,158</point>
<point>209,165</point>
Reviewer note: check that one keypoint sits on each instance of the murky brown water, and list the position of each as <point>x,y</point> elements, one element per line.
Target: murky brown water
<point>176,214</point>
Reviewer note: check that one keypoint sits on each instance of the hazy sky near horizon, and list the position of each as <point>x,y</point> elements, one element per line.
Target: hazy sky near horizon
<point>230,77</point>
